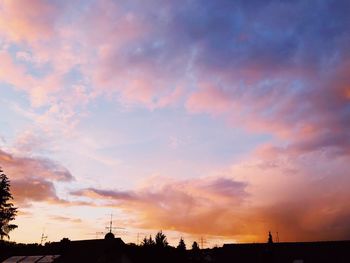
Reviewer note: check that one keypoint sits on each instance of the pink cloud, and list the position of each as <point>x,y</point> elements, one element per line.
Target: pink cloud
<point>32,179</point>
<point>31,167</point>
<point>130,56</point>
<point>17,75</point>
<point>304,112</point>
<point>26,191</point>
<point>209,99</point>
<point>13,74</point>
<point>27,21</point>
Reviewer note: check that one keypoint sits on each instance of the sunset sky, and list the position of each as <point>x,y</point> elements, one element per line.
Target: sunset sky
<point>217,119</point>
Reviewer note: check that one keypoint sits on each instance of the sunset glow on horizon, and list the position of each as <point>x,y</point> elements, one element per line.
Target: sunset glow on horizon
<point>220,120</point>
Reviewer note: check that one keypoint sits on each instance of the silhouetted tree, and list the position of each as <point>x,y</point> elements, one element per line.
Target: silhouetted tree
<point>269,240</point>
<point>65,239</point>
<point>148,242</point>
<point>195,246</point>
<point>7,210</point>
<point>161,240</point>
<point>181,245</point>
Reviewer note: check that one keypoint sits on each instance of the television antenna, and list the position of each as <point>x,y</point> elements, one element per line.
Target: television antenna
<point>110,227</point>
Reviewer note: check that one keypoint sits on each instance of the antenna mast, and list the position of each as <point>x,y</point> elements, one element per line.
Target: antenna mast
<point>110,227</point>
<point>110,224</point>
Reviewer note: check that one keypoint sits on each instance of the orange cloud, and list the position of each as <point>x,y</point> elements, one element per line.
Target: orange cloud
<point>32,179</point>
<point>187,206</point>
<point>30,190</point>
<point>288,196</point>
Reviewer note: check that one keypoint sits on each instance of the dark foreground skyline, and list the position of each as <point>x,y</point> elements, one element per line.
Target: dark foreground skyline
<point>113,249</point>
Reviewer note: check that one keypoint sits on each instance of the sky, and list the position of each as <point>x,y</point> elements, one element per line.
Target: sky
<point>220,120</point>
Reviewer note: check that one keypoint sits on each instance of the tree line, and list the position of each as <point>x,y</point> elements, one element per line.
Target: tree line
<point>160,241</point>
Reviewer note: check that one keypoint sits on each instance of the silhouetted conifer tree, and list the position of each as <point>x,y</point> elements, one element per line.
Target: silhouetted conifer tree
<point>7,210</point>
<point>181,245</point>
<point>148,242</point>
<point>269,240</point>
<point>195,246</point>
<point>161,240</point>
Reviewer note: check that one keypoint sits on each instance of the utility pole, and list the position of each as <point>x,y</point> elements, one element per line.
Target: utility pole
<point>203,242</point>
<point>43,237</point>
<point>138,237</point>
